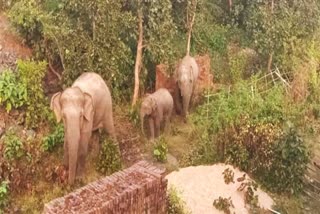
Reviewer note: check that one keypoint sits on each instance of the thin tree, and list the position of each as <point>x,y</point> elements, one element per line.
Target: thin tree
<point>271,53</point>
<point>190,24</point>
<point>138,62</point>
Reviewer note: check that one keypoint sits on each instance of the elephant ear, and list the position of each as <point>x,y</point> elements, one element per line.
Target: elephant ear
<point>88,107</point>
<point>56,106</point>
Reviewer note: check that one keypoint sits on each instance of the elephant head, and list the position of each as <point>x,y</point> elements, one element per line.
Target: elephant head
<point>75,109</point>
<point>148,108</point>
<point>185,83</point>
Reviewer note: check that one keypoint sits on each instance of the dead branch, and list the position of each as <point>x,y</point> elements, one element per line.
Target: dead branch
<point>54,71</point>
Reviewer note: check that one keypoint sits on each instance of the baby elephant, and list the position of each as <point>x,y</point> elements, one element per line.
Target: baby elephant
<point>157,107</point>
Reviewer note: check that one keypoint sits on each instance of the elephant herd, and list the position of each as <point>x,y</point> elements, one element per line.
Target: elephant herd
<point>87,106</point>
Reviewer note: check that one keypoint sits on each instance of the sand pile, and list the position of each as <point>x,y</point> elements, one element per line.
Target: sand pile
<point>199,186</point>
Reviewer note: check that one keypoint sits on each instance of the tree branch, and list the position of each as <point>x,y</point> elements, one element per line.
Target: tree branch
<point>190,26</point>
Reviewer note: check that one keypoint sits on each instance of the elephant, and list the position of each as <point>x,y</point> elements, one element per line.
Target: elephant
<point>84,107</point>
<point>157,107</point>
<point>185,79</point>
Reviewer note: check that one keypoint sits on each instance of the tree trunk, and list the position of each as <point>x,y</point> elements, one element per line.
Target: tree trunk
<point>190,26</point>
<point>137,66</point>
<point>230,5</point>
<point>271,54</point>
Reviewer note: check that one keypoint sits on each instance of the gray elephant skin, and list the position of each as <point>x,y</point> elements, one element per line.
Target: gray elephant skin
<point>84,107</point>
<point>186,79</point>
<point>157,107</point>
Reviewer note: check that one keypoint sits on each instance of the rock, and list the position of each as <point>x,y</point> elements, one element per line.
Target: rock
<point>1,47</point>
<point>30,134</point>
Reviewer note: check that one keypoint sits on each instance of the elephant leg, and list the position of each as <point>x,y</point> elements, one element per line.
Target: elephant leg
<point>151,125</point>
<point>65,153</point>
<point>109,125</point>
<point>167,121</point>
<point>82,152</point>
<point>157,127</point>
<point>177,100</point>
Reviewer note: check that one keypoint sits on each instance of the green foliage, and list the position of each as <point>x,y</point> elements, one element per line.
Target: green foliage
<point>13,146</point>
<point>228,176</point>
<point>175,204</point>
<point>134,114</point>
<point>227,107</point>
<point>204,151</point>
<point>53,140</point>
<point>289,164</point>
<point>160,149</point>
<point>4,193</point>
<point>109,157</point>
<point>223,204</point>
<point>245,127</point>
<point>31,74</point>
<point>277,159</point>
<point>13,94</point>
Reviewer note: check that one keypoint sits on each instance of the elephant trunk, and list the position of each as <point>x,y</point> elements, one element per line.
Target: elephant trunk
<point>185,103</point>
<point>73,138</point>
<point>142,122</point>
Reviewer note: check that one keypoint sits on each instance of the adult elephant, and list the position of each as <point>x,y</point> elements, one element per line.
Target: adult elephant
<point>83,107</point>
<point>157,107</point>
<point>186,79</point>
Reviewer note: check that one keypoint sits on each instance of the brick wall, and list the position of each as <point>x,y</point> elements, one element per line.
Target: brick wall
<point>138,189</point>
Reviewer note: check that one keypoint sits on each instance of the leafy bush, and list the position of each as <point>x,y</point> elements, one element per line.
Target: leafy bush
<point>289,164</point>
<point>134,114</point>
<point>277,159</point>
<point>54,139</point>
<point>13,94</point>
<point>109,157</point>
<point>175,204</point>
<point>31,75</point>
<point>13,146</point>
<point>245,127</point>
<point>4,193</point>
<point>160,149</point>
<point>204,151</point>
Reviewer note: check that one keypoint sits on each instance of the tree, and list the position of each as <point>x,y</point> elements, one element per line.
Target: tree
<point>155,32</point>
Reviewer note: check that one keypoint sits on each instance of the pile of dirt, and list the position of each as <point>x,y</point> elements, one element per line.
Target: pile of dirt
<point>199,186</point>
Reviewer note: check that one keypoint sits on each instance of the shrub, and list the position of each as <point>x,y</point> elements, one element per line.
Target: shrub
<point>160,149</point>
<point>13,147</point>
<point>4,193</point>
<point>31,75</point>
<point>109,157</point>
<point>277,159</point>
<point>54,139</point>
<point>289,164</point>
<point>13,94</point>
<point>175,204</point>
